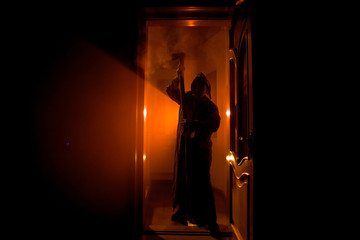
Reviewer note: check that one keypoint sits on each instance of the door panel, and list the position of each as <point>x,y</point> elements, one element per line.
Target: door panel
<point>241,127</point>
<point>241,203</point>
<point>244,137</point>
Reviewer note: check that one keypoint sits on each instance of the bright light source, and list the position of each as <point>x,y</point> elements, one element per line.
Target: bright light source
<point>191,23</point>
<point>144,157</point>
<point>190,224</point>
<point>230,157</point>
<point>145,112</point>
<point>228,113</point>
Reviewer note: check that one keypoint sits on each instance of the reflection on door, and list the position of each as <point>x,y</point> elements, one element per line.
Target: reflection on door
<point>241,127</point>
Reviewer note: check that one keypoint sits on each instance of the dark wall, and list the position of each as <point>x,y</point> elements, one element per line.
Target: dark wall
<point>72,134</point>
<point>74,82</point>
<point>291,68</point>
<point>76,95</point>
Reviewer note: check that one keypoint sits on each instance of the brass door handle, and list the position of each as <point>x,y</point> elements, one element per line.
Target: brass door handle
<point>244,176</point>
<point>232,158</point>
<point>242,180</point>
<point>244,159</point>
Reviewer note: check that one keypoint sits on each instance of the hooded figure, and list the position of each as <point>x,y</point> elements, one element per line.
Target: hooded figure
<point>193,192</point>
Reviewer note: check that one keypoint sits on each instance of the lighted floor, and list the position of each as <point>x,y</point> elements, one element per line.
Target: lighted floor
<point>182,237</point>
<point>158,212</point>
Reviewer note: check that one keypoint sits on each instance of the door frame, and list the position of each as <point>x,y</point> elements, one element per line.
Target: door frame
<point>182,16</point>
<point>241,167</point>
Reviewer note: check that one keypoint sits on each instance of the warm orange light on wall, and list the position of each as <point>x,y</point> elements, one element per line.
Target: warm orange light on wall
<point>228,113</point>
<point>145,113</point>
<point>191,23</point>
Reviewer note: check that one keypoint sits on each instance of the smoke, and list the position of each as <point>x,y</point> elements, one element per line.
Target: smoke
<point>163,41</point>
<point>205,51</point>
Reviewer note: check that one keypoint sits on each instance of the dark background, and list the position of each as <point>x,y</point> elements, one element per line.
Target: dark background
<point>63,139</point>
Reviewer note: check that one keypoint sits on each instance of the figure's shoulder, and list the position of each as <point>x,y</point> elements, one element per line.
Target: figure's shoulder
<point>210,103</point>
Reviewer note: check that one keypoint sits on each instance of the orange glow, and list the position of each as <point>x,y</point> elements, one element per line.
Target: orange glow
<point>191,224</point>
<point>239,2</point>
<point>230,157</point>
<point>228,113</point>
<point>88,154</point>
<point>160,130</point>
<point>204,51</point>
<point>145,113</point>
<point>191,23</point>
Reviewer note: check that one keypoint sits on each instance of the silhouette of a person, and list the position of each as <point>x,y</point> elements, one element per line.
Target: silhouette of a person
<point>193,192</point>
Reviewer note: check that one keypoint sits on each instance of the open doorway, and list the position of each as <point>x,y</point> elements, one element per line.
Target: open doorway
<point>205,44</point>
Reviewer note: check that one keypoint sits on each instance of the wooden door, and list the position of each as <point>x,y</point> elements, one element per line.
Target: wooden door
<point>241,124</point>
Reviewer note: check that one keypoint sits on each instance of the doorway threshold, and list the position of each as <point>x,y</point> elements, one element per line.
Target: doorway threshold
<point>183,230</point>
<point>184,237</point>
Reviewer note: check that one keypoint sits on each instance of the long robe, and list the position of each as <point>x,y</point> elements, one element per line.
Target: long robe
<point>192,186</point>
